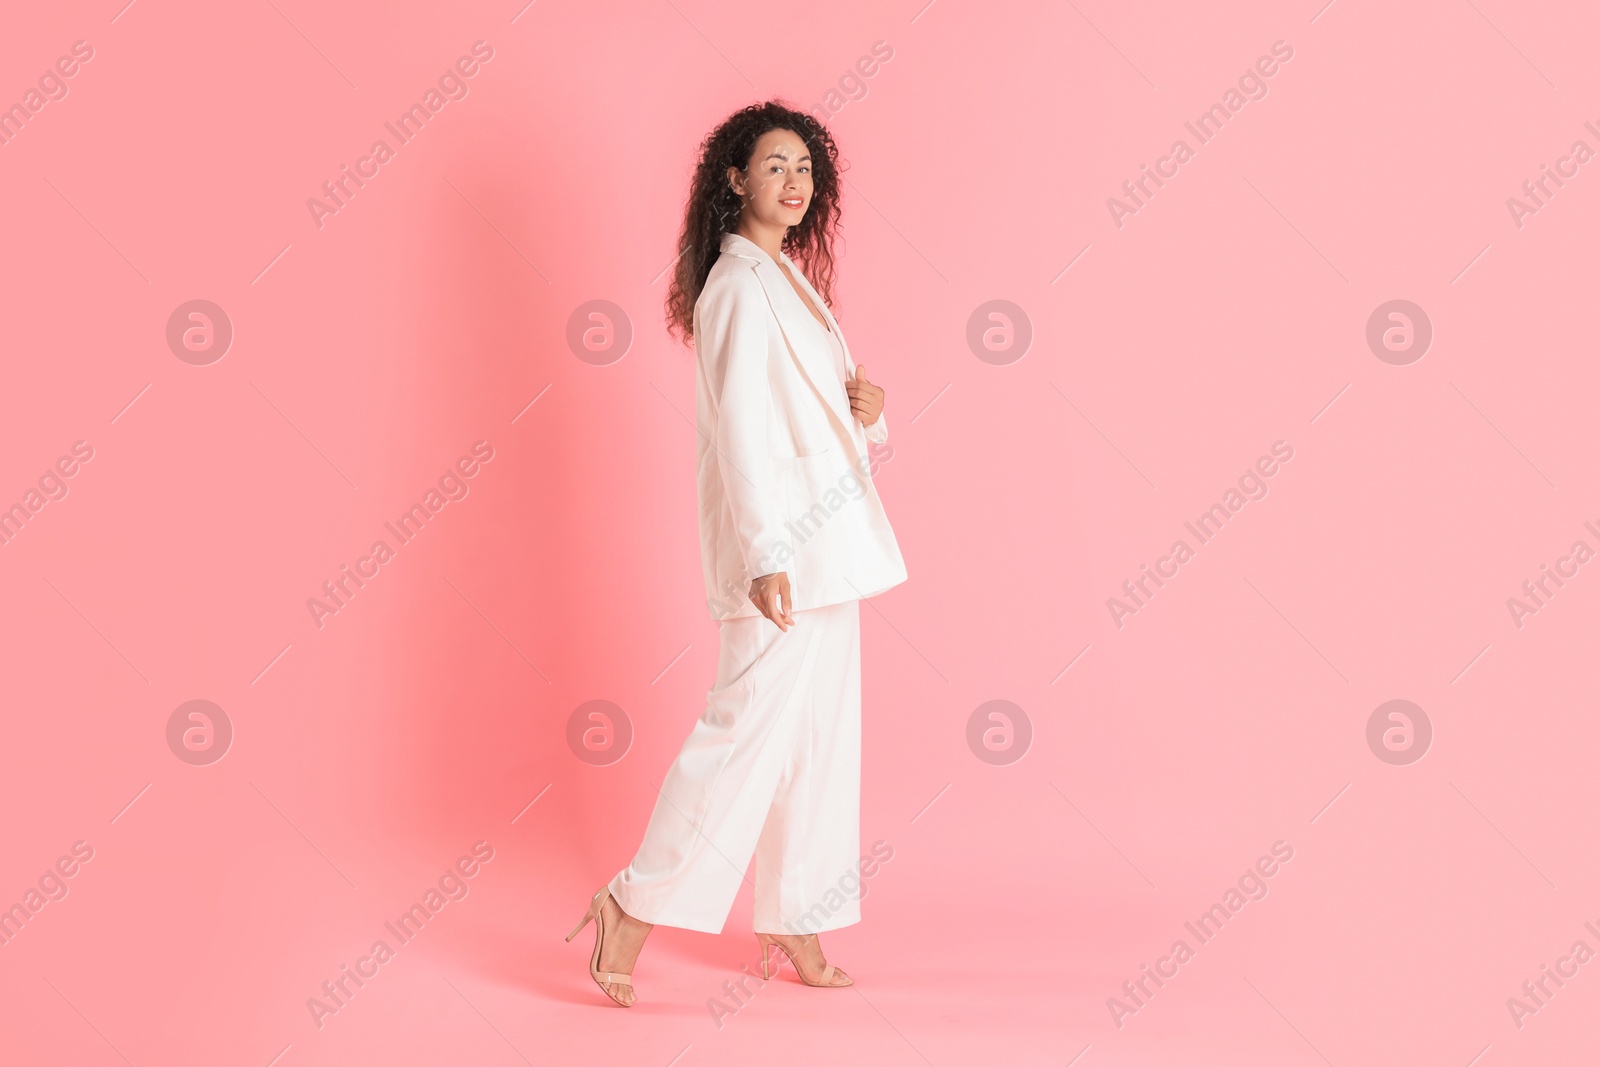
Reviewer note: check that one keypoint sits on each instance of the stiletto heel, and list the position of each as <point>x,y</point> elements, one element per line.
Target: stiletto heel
<point>768,943</point>
<point>601,978</point>
<point>586,917</point>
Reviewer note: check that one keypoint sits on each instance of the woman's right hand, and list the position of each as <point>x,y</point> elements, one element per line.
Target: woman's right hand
<point>770,595</point>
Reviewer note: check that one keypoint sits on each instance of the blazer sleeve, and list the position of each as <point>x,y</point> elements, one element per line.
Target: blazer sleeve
<point>734,348</point>
<point>878,432</point>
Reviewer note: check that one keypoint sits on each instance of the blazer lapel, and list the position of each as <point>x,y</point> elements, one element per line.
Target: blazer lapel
<point>815,365</point>
<point>827,313</point>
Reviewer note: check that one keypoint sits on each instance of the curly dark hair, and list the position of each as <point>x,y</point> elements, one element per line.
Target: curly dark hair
<point>712,208</point>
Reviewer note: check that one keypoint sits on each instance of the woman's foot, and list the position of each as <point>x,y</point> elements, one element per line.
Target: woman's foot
<point>624,937</point>
<point>805,952</point>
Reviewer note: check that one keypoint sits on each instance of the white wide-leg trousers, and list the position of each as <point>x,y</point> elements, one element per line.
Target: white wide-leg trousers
<point>771,769</point>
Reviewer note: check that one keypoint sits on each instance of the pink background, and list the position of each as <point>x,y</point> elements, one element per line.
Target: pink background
<point>1230,713</point>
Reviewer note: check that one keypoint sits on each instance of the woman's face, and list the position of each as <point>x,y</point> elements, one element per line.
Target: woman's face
<point>776,182</point>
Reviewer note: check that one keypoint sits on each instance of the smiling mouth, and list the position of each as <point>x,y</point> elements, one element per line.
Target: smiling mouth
<point>791,203</point>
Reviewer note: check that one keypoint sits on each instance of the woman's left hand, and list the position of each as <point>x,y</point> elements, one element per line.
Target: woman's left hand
<point>866,399</point>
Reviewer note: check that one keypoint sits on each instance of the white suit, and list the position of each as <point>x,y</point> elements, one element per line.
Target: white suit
<point>772,767</point>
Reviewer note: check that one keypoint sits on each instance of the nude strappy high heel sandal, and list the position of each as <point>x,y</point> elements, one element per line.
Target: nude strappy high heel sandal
<point>768,943</point>
<point>601,978</point>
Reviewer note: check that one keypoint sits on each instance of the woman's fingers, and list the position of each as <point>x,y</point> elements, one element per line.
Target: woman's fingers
<point>765,594</point>
<point>783,591</point>
<point>866,400</point>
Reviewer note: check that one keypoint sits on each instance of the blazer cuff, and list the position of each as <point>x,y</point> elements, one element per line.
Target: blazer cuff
<point>762,556</point>
<point>878,432</point>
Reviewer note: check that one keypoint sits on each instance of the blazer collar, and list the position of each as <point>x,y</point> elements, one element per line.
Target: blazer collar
<point>740,245</point>
<point>785,304</point>
<point>815,363</point>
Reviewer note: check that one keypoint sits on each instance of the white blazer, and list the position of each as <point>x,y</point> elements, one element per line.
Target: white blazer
<point>783,473</point>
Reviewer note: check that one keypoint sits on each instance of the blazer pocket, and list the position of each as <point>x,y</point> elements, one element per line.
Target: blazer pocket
<point>801,458</point>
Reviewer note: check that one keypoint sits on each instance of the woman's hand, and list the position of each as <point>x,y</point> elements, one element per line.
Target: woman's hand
<point>770,595</point>
<point>866,399</point>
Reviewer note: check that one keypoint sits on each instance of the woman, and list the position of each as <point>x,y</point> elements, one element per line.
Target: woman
<point>792,536</point>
